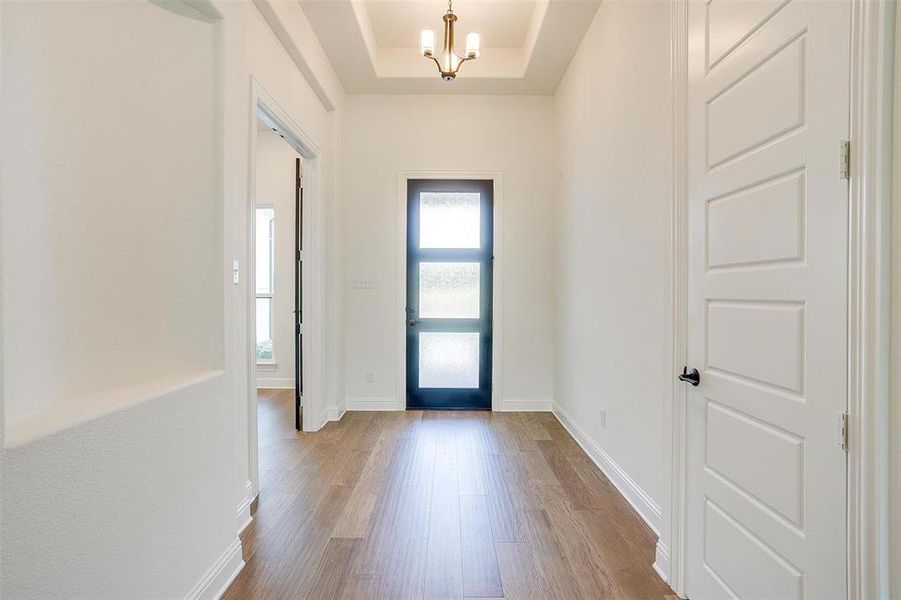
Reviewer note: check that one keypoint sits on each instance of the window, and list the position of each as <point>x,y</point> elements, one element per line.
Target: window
<point>265,280</point>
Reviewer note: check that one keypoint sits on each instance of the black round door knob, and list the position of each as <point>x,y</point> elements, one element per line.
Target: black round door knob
<point>691,376</point>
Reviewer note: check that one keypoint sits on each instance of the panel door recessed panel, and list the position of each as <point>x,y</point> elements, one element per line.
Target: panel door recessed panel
<point>760,225</point>
<point>731,23</point>
<point>746,565</point>
<point>760,341</point>
<point>766,463</point>
<point>765,104</point>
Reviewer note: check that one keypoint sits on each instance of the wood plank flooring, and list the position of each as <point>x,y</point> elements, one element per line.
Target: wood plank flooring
<point>437,505</point>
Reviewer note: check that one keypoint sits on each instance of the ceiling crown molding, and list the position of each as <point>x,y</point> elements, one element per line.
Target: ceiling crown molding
<point>362,45</point>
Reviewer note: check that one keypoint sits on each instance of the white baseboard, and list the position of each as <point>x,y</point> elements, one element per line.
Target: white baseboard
<point>244,516</point>
<point>214,583</point>
<point>243,512</point>
<point>637,497</point>
<point>334,413</point>
<point>526,404</point>
<point>371,403</point>
<point>275,383</point>
<point>661,561</point>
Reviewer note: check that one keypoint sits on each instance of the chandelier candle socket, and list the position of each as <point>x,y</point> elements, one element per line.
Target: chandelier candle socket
<point>449,62</point>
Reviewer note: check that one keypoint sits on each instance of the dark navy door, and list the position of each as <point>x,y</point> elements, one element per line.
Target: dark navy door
<point>449,283</point>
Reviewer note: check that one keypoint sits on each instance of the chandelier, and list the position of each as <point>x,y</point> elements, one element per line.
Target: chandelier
<point>449,62</point>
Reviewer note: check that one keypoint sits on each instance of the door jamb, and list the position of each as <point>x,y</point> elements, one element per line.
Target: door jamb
<point>869,299</point>
<point>264,107</point>
<point>670,551</point>
<point>497,285</point>
<point>869,311</point>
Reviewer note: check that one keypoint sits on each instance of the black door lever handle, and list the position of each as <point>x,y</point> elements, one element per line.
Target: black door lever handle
<point>693,376</point>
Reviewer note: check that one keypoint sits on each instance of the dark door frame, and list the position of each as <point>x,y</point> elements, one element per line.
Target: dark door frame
<point>449,398</point>
<point>298,287</point>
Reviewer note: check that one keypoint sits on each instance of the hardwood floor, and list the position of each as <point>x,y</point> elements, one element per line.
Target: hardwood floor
<point>437,505</point>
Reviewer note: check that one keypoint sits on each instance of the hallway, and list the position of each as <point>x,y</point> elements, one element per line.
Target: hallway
<point>658,239</point>
<point>437,505</point>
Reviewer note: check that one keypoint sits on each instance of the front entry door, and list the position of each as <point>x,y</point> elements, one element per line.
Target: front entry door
<point>449,282</point>
<point>768,230</point>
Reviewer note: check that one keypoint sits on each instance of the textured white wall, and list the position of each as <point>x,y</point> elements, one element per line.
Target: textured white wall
<point>275,186</point>
<point>613,129</point>
<point>113,297</point>
<point>140,500</point>
<point>113,232</point>
<point>382,135</point>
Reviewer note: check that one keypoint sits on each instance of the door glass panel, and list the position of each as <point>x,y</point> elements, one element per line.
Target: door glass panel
<point>448,360</point>
<point>449,220</point>
<point>449,290</point>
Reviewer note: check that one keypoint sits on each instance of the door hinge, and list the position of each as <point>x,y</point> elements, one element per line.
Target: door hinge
<point>299,255</point>
<point>844,165</point>
<point>300,183</point>
<point>841,430</point>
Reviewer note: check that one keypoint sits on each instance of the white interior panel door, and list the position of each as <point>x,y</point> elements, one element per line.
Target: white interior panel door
<point>768,212</point>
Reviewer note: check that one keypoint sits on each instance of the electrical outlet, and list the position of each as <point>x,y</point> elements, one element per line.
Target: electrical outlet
<point>603,418</point>
<point>370,377</point>
<point>364,283</point>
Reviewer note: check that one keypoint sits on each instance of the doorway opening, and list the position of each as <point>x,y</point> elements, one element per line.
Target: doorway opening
<point>449,281</point>
<point>285,346</point>
<point>278,268</point>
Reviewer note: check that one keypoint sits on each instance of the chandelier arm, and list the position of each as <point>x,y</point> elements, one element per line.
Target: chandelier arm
<point>437,62</point>
<point>460,62</point>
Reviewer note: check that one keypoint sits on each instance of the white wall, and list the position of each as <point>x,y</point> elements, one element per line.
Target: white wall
<point>382,135</point>
<point>125,144</point>
<point>275,175</point>
<point>613,131</point>
<point>113,297</point>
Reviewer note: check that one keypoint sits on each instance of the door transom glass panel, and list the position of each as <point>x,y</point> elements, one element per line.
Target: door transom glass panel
<point>449,220</point>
